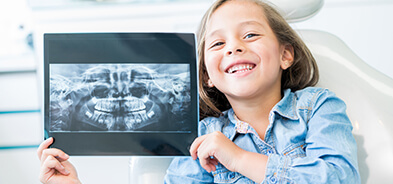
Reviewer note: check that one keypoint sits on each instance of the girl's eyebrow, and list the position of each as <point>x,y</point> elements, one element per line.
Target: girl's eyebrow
<point>253,22</point>
<point>245,23</point>
<point>213,33</point>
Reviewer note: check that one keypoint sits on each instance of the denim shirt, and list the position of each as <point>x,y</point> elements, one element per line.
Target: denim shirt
<point>309,140</point>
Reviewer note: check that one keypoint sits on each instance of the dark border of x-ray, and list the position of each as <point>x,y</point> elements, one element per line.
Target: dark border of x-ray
<point>115,47</point>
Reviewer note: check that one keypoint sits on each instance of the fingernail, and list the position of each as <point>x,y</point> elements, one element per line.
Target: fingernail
<point>66,171</point>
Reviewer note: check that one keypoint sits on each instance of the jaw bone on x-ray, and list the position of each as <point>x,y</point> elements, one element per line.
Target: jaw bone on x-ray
<point>119,97</point>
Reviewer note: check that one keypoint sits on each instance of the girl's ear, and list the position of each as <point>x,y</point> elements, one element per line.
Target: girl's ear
<point>210,83</point>
<point>287,56</point>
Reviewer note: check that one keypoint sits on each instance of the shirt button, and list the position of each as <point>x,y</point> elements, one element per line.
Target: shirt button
<point>273,179</point>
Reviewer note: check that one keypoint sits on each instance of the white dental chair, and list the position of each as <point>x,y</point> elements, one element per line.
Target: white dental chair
<point>367,93</point>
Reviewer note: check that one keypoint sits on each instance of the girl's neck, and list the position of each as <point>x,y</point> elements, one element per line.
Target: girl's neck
<point>256,111</point>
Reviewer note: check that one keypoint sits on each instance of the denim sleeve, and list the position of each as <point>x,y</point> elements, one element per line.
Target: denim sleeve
<point>187,170</point>
<point>331,152</point>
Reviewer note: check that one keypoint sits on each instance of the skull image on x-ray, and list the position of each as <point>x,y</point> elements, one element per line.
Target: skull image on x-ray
<point>119,97</point>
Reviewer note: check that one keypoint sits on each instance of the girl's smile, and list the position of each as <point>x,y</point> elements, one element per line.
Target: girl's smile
<point>240,67</point>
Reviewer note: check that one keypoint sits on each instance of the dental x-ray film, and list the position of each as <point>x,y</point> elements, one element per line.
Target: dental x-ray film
<point>121,93</point>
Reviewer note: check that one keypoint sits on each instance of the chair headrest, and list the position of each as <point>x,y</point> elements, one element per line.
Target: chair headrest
<point>297,10</point>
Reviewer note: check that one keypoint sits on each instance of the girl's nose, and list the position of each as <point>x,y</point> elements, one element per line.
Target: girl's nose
<point>235,48</point>
<point>230,52</point>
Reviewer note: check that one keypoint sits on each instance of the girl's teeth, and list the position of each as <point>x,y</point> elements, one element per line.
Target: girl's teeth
<point>242,68</point>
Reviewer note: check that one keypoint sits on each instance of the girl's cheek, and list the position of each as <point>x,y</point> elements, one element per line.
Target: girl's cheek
<point>208,60</point>
<point>212,58</point>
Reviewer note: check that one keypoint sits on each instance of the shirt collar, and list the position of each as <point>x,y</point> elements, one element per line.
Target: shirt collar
<point>286,107</point>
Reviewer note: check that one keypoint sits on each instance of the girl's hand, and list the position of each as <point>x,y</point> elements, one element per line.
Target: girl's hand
<point>216,147</point>
<point>55,167</point>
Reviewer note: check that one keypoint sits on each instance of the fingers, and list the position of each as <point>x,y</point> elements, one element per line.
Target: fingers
<point>206,159</point>
<point>53,152</point>
<point>51,164</point>
<point>43,151</point>
<point>209,164</point>
<point>44,145</point>
<point>50,167</point>
<point>195,145</point>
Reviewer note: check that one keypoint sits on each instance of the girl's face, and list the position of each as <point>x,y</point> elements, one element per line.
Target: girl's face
<point>242,55</point>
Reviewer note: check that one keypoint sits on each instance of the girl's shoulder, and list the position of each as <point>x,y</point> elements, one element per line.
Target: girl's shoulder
<point>313,94</point>
<point>312,98</point>
<point>310,92</point>
<point>212,124</point>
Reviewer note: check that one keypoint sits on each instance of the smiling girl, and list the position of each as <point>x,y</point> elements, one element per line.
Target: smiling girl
<point>261,119</point>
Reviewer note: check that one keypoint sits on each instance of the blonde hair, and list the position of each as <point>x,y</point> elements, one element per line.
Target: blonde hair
<point>302,73</point>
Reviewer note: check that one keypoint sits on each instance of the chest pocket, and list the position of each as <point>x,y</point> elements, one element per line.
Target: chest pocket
<point>223,175</point>
<point>296,150</point>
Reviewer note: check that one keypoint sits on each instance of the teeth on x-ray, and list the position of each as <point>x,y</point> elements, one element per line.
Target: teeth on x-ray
<point>88,114</point>
<point>119,105</point>
<point>115,97</point>
<point>150,114</point>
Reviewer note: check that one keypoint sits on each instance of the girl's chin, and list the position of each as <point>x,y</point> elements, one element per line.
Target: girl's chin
<point>242,94</point>
<point>247,92</point>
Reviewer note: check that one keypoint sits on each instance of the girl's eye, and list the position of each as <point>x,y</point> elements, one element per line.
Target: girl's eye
<point>251,35</point>
<point>217,44</point>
